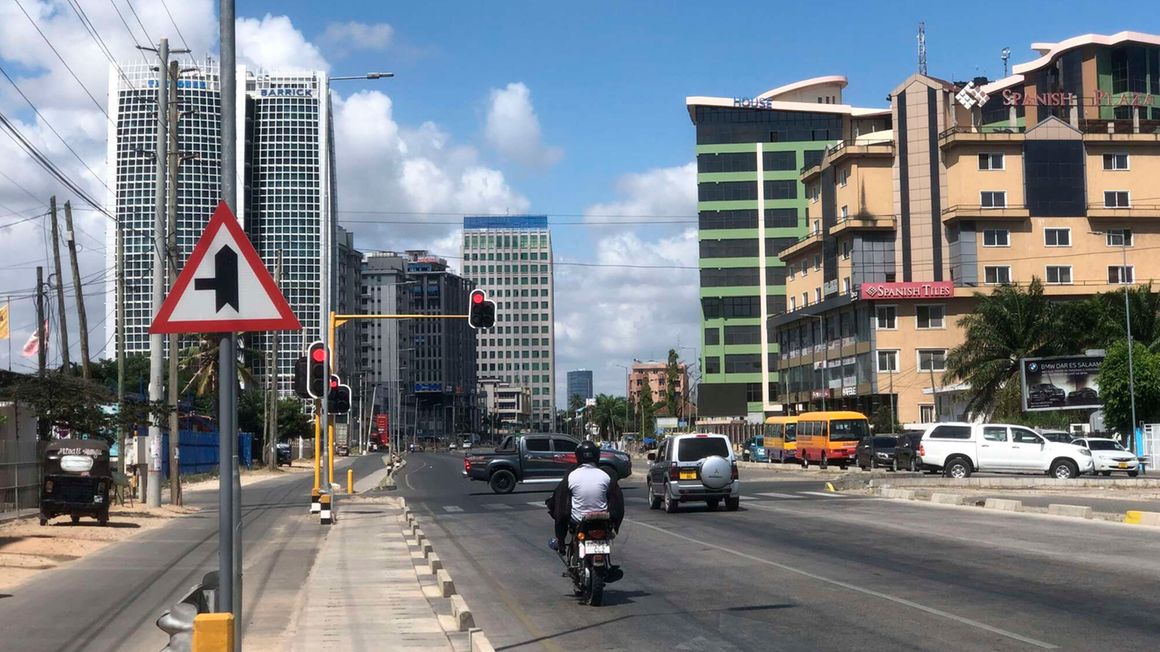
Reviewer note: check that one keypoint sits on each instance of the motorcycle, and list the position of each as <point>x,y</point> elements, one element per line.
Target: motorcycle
<point>589,558</point>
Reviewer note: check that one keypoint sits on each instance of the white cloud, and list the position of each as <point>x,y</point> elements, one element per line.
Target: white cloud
<point>513,128</point>
<point>642,297</point>
<point>344,38</point>
<point>273,43</point>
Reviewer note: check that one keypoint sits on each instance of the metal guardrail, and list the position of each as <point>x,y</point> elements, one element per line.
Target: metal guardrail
<point>177,622</point>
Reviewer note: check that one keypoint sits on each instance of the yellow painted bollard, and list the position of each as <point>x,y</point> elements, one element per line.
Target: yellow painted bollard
<point>350,481</point>
<point>213,632</point>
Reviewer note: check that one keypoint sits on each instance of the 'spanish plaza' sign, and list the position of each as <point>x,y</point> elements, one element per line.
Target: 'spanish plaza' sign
<point>1061,98</point>
<point>907,290</point>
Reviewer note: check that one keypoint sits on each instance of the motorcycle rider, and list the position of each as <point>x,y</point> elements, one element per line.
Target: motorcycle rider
<point>587,488</point>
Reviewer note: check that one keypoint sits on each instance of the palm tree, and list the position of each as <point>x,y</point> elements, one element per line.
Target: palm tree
<point>202,359</point>
<point>1145,307</point>
<point>1011,324</point>
<point>609,415</point>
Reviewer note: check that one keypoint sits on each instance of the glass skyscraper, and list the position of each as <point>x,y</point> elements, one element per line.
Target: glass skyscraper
<point>511,258</point>
<point>286,176</point>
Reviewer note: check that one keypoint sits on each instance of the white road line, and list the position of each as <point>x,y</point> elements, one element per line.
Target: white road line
<point>854,587</point>
<point>774,494</point>
<point>496,506</point>
<point>746,498</point>
<point>537,503</point>
<point>823,494</point>
<point>452,509</point>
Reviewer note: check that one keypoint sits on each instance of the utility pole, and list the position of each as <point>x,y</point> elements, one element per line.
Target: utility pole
<point>156,340</point>
<point>42,348</point>
<point>272,397</point>
<point>172,254</point>
<point>82,319</point>
<point>120,270</point>
<point>64,361</point>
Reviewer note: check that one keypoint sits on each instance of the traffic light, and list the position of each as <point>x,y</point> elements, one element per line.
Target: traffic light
<point>316,369</point>
<point>480,310</point>
<point>338,400</point>
<point>301,368</point>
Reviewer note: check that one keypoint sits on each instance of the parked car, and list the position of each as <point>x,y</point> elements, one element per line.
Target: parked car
<point>466,445</point>
<point>342,450</point>
<point>876,451</point>
<point>1058,436</point>
<point>1083,396</point>
<point>753,450</point>
<point>540,458</point>
<point>906,453</point>
<point>960,449</point>
<point>284,453</point>
<point>451,446</point>
<point>693,468</point>
<point>1045,395</point>
<point>1108,456</point>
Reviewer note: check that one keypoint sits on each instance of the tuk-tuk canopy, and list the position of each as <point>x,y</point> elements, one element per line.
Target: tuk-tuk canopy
<point>81,456</point>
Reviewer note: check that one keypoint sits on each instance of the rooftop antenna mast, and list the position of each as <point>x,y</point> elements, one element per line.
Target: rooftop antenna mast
<point>922,48</point>
<point>1005,55</point>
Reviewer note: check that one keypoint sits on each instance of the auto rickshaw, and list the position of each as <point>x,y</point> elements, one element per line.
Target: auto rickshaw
<point>77,480</point>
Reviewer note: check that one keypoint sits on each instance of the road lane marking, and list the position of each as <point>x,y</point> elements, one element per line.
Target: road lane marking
<point>746,498</point>
<point>854,587</point>
<point>452,509</point>
<point>496,506</point>
<point>822,494</point>
<point>536,503</point>
<point>774,494</point>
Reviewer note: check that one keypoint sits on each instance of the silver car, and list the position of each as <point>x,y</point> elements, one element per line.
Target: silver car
<point>693,468</point>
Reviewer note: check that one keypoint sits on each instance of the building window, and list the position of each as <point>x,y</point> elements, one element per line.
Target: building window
<point>817,227</point>
<point>1119,237</point>
<point>843,177</point>
<point>817,295</point>
<point>997,275</point>
<point>845,212</point>
<point>1118,275</point>
<point>1117,199</point>
<point>805,299</point>
<point>805,267</point>
<point>932,359</point>
<point>1116,161</point>
<point>888,361</point>
<point>886,317</point>
<point>996,238</point>
<point>990,161</point>
<point>1059,274</point>
<point>712,364</point>
<point>933,316</point>
<point>1057,237</point>
<point>926,413</point>
<point>712,336</point>
<point>846,285</point>
<point>846,250</point>
<point>817,261</point>
<point>792,304</point>
<point>993,199</point>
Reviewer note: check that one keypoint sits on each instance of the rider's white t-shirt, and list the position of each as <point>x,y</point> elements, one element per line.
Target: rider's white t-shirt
<point>589,488</point>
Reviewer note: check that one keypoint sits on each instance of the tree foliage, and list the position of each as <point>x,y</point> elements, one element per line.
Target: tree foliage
<point>1114,385</point>
<point>673,402</point>
<point>646,413</point>
<point>609,414</point>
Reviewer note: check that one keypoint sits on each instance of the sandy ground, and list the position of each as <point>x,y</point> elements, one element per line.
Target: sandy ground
<point>27,548</point>
<point>249,477</point>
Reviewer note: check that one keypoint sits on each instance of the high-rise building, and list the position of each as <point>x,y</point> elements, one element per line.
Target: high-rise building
<point>652,377</point>
<point>511,258</point>
<point>442,378</point>
<point>751,205</point>
<point>580,385</point>
<point>285,149</point>
<point>387,344</point>
<point>1046,173</point>
<point>348,299</point>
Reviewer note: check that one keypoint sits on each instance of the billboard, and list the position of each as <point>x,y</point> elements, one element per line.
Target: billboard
<point>1061,383</point>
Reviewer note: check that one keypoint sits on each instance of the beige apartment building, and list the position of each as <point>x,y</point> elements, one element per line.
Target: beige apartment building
<point>1050,172</point>
<point>651,377</point>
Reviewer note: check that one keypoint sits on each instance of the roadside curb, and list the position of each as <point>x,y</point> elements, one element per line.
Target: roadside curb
<point>430,566</point>
<point>1080,512</point>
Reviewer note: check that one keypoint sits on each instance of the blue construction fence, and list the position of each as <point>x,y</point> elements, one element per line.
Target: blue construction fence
<point>198,451</point>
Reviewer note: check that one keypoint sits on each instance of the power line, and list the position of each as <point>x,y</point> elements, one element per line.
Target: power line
<point>96,36</point>
<point>175,26</point>
<point>66,66</point>
<point>139,23</point>
<point>128,29</point>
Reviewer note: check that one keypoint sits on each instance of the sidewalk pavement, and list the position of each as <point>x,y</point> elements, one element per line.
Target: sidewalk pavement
<point>363,592</point>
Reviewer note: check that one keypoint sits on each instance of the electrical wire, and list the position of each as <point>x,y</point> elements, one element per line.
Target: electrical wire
<point>175,26</point>
<point>129,30</point>
<point>96,36</point>
<point>139,23</point>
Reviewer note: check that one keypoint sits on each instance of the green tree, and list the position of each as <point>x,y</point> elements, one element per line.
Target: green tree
<point>647,413</point>
<point>673,403</point>
<point>292,421</point>
<point>885,420</point>
<point>1114,386</point>
<point>200,361</point>
<point>1010,324</point>
<point>1145,307</point>
<point>609,414</point>
<point>104,373</point>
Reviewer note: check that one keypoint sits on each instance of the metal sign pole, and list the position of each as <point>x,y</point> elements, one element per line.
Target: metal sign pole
<point>230,589</point>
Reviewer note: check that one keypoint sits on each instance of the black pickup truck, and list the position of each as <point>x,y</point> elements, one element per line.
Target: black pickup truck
<point>539,458</point>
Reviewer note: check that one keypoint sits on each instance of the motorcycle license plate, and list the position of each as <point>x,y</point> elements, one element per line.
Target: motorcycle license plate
<point>597,548</point>
<point>688,475</point>
<point>1123,465</point>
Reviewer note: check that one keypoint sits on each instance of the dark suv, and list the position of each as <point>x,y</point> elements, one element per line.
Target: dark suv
<point>284,453</point>
<point>906,453</point>
<point>876,451</point>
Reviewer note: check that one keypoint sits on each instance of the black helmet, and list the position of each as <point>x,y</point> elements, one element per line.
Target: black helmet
<point>587,453</point>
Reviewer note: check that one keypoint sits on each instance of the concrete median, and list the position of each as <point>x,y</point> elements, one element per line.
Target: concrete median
<point>446,586</point>
<point>946,499</point>
<point>1004,505</point>
<point>1076,511</point>
<point>1136,517</point>
<point>461,613</point>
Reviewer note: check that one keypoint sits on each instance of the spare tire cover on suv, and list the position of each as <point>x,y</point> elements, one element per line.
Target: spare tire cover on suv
<point>716,472</point>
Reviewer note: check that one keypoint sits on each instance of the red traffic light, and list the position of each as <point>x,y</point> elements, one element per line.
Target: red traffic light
<point>318,354</point>
<point>333,383</point>
<point>477,297</point>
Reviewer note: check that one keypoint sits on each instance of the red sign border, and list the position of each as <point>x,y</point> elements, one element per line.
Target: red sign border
<point>223,217</point>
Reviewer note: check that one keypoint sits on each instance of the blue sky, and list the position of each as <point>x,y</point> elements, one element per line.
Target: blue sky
<point>598,91</point>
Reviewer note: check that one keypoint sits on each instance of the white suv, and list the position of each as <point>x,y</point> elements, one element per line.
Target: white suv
<point>959,449</point>
<point>693,468</point>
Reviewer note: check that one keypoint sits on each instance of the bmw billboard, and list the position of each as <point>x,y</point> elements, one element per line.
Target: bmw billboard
<point>1061,383</point>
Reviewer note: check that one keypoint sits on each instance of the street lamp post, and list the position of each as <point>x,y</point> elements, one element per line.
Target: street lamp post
<point>825,354</point>
<point>1128,330</point>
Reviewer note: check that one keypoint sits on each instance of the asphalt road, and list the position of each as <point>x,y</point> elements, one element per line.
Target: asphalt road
<point>109,600</point>
<point>795,569</point>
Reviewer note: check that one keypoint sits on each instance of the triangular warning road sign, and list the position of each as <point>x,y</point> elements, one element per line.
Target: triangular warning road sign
<point>224,287</point>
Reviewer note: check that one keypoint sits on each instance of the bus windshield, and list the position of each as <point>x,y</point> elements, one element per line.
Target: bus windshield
<point>848,429</point>
<point>791,432</point>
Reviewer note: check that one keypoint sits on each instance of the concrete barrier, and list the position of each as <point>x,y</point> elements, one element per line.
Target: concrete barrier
<point>418,532</point>
<point>946,499</point>
<point>434,563</point>
<point>479,642</point>
<point>461,613</point>
<point>902,494</point>
<point>1136,517</point>
<point>1002,504</point>
<point>1079,511</point>
<point>446,586</point>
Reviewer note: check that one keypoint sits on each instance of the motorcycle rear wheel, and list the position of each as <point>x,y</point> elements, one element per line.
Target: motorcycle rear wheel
<point>594,587</point>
